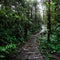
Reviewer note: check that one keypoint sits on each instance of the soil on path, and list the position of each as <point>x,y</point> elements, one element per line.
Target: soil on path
<point>30,50</point>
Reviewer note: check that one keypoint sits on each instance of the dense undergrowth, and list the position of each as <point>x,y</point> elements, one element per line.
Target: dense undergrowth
<point>16,26</point>
<point>48,49</point>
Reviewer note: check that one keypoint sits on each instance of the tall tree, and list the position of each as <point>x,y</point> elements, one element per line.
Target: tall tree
<point>49,22</point>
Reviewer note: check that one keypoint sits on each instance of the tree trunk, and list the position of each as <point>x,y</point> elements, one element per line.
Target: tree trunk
<point>49,23</point>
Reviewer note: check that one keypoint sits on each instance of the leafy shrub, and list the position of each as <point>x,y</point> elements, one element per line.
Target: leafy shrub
<point>48,48</point>
<point>5,51</point>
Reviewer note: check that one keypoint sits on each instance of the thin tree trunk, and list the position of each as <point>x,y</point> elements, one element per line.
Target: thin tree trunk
<point>49,23</point>
<point>31,12</point>
<point>35,11</point>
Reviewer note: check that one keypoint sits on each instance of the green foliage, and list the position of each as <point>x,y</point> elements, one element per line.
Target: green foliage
<point>52,47</point>
<point>5,51</point>
<point>16,24</point>
<point>48,48</point>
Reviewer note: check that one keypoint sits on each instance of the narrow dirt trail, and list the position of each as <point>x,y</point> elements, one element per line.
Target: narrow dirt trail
<point>30,50</point>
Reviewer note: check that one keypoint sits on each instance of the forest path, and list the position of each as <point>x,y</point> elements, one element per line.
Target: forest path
<point>30,50</point>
